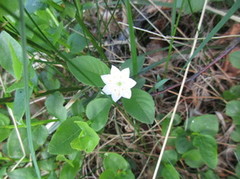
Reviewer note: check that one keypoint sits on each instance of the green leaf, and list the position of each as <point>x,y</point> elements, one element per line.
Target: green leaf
<point>4,133</point>
<point>3,171</point>
<point>66,132</point>
<point>54,104</point>
<point>192,6</point>
<point>183,144</point>
<point>87,140</point>
<point>235,135</point>
<point>76,41</point>
<point>209,175</point>
<point>69,171</point>
<point>111,174</point>
<point>16,63</point>
<point>170,156</point>
<point>10,5</point>
<point>47,164</point>
<point>88,70</point>
<point>234,58</point>
<point>34,5</point>
<point>97,111</point>
<point>48,78</point>
<point>115,162</point>
<point>207,147</point>
<point>205,124</point>
<point>18,107</point>
<point>116,167</point>
<point>39,135</point>
<point>233,110</point>
<point>193,158</point>
<point>26,173</point>
<point>169,172</point>
<point>10,55</point>
<point>233,93</point>
<point>140,106</point>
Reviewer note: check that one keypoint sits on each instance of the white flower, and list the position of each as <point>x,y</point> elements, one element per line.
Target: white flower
<point>118,83</point>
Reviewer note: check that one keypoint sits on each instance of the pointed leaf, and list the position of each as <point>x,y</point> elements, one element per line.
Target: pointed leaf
<point>66,132</point>
<point>87,140</point>
<point>140,106</point>
<point>88,70</point>
<point>97,111</point>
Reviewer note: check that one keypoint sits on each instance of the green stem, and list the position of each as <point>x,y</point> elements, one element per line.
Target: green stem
<point>132,38</point>
<point>26,88</point>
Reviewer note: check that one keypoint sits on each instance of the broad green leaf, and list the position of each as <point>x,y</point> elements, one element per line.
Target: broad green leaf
<point>16,63</point>
<point>115,162</point>
<point>69,171</point>
<point>47,164</point>
<point>39,135</point>
<point>237,170</point>
<point>87,140</point>
<point>170,156</point>
<point>18,104</point>
<point>3,171</point>
<point>234,58</point>
<point>233,110</point>
<point>77,41</point>
<point>97,111</point>
<point>4,133</point>
<point>140,106</point>
<point>190,6</point>
<point>48,78</point>
<point>233,93</point>
<point>210,175</point>
<point>66,132</point>
<point>88,70</point>
<point>54,104</point>
<point>207,147</point>
<point>10,55</point>
<point>235,135</point>
<point>116,167</point>
<point>12,6</point>
<point>26,173</point>
<point>111,174</point>
<point>169,172</point>
<point>205,124</point>
<point>183,144</point>
<point>193,158</point>
<point>34,5</point>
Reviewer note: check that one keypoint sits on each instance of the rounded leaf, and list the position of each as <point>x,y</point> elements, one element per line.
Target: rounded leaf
<point>235,59</point>
<point>205,124</point>
<point>193,158</point>
<point>140,106</point>
<point>88,70</point>
<point>97,111</point>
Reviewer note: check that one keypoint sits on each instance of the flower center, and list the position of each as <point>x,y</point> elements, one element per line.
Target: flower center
<point>119,83</point>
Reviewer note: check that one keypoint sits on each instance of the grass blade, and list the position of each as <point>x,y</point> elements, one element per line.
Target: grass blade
<point>26,88</point>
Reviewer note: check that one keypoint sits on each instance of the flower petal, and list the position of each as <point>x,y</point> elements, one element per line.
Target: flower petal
<point>129,83</point>
<point>115,70</point>
<point>107,89</point>
<point>107,79</point>
<point>127,93</point>
<point>125,73</point>
<point>116,96</point>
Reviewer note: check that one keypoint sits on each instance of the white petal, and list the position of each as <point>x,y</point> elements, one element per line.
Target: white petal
<point>127,93</point>
<point>129,83</point>
<point>107,89</point>
<point>125,73</point>
<point>107,79</point>
<point>115,70</point>
<point>116,96</point>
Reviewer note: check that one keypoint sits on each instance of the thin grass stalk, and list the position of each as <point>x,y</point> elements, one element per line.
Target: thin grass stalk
<point>180,93</point>
<point>26,88</point>
<point>132,38</point>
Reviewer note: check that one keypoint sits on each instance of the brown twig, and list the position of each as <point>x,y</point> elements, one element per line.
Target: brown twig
<point>192,78</point>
